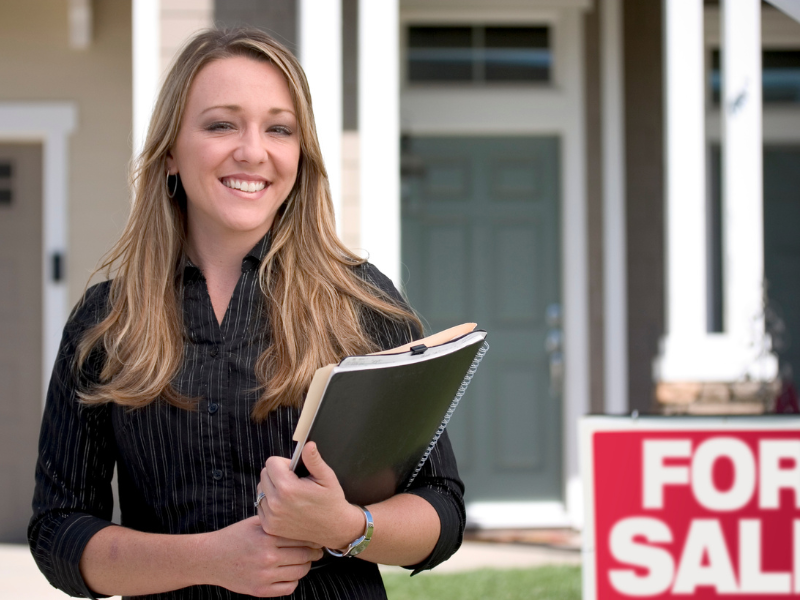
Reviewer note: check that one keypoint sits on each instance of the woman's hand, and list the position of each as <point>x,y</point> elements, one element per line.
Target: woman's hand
<point>256,563</point>
<point>309,508</point>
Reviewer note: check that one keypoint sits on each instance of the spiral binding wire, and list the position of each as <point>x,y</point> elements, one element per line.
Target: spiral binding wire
<point>461,389</point>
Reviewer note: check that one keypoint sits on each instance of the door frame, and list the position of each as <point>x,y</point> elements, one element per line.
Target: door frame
<point>558,110</point>
<point>50,124</point>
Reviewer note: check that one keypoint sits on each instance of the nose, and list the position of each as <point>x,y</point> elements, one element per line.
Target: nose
<point>252,147</point>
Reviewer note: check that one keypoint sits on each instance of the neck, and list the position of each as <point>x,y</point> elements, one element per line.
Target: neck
<point>220,255</point>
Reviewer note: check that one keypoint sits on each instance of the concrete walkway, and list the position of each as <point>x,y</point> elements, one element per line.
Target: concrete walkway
<point>21,580</point>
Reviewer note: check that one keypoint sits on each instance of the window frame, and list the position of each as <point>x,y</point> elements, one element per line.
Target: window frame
<point>478,67</point>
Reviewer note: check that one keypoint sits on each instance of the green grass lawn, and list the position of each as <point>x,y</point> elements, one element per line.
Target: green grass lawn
<point>540,583</point>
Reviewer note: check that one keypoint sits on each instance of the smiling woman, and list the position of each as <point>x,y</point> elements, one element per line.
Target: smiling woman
<point>186,371</point>
<point>237,151</point>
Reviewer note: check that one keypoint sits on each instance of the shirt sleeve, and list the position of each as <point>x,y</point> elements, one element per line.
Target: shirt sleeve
<point>72,498</point>
<point>437,482</point>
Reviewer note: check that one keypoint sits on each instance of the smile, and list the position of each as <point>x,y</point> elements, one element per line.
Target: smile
<point>244,186</point>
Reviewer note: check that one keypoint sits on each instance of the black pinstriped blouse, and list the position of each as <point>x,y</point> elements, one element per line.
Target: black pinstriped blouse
<point>183,471</point>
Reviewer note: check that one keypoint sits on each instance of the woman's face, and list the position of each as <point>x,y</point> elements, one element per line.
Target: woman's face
<point>238,148</point>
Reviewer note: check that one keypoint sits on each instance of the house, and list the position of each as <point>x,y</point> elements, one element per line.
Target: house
<point>581,177</point>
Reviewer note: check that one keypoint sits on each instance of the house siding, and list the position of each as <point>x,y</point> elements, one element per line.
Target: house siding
<point>39,65</point>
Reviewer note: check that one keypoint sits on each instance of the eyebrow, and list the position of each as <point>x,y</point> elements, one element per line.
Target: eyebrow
<point>237,108</point>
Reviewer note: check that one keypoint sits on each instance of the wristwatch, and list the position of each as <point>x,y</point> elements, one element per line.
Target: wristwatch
<point>358,545</point>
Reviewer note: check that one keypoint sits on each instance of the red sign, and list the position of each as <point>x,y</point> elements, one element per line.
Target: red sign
<point>701,513</point>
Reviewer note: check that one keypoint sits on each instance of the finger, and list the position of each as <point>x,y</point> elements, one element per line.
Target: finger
<point>277,471</point>
<point>293,572</point>
<point>260,502</point>
<point>282,588</point>
<point>317,468</point>
<point>267,485</point>
<point>282,542</point>
<point>278,465</point>
<point>296,556</point>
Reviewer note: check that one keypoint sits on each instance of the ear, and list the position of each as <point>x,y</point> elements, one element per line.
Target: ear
<point>172,168</point>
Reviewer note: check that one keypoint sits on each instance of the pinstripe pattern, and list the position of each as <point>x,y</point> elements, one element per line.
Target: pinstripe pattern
<point>183,471</point>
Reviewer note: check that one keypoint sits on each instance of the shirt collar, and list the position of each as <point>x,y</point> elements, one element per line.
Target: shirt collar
<point>261,249</point>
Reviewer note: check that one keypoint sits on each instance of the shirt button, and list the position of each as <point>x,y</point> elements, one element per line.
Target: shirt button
<point>214,351</point>
<point>212,408</point>
<point>217,474</point>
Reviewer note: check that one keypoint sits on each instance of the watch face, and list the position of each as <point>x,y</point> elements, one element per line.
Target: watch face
<point>359,547</point>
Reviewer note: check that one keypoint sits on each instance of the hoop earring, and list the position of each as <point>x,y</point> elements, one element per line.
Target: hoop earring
<point>172,195</point>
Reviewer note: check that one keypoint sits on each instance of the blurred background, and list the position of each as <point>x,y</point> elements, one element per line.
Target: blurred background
<point>609,187</point>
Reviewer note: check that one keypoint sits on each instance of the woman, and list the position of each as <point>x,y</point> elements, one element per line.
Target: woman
<point>187,370</point>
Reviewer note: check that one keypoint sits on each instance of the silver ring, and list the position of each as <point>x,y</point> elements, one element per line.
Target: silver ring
<point>259,498</point>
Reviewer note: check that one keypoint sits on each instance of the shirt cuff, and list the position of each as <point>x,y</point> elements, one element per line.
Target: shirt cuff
<point>451,530</point>
<point>68,545</point>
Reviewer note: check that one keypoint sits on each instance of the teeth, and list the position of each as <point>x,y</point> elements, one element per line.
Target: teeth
<point>245,186</point>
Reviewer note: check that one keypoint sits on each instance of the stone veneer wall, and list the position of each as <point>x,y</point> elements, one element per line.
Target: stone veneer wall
<point>715,398</point>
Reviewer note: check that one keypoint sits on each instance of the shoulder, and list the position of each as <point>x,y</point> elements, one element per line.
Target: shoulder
<point>91,308</point>
<point>387,332</point>
<point>371,274</point>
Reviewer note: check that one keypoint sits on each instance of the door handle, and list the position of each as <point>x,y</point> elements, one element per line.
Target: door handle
<point>556,373</point>
<point>554,345</point>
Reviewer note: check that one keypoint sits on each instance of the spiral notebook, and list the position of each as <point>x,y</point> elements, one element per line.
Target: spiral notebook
<point>376,418</point>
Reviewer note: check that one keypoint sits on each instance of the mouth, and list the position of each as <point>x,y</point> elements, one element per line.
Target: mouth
<point>243,185</point>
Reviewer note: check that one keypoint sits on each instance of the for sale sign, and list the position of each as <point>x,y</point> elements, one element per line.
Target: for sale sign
<point>682,507</point>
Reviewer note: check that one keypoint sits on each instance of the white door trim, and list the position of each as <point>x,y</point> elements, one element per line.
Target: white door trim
<point>553,110</point>
<point>50,124</point>
<point>615,273</point>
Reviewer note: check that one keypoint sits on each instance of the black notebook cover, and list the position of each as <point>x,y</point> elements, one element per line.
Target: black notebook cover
<point>375,424</point>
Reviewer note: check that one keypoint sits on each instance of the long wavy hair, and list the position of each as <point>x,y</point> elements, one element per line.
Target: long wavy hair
<point>318,305</point>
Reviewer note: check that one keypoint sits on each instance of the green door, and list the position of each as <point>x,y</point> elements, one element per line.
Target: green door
<point>782,247</point>
<point>480,242</point>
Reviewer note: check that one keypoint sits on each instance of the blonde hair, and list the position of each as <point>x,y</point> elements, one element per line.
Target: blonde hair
<point>318,319</point>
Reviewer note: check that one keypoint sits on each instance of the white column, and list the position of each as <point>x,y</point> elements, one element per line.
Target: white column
<point>685,169</point>
<point>685,196</point>
<point>321,56</point>
<point>379,130</point>
<point>689,352</point>
<point>568,44</point>
<point>742,171</point>
<point>146,16</point>
<point>615,284</point>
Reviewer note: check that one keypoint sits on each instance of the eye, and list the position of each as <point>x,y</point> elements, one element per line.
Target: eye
<point>219,126</point>
<point>280,130</point>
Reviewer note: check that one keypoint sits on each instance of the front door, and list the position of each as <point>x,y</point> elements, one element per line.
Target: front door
<point>480,242</point>
<point>782,250</point>
<point>20,332</point>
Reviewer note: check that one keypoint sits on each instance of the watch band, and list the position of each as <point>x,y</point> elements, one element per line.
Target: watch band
<point>358,545</point>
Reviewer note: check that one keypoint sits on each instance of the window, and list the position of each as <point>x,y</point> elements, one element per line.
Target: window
<point>479,54</point>
<point>780,77</point>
